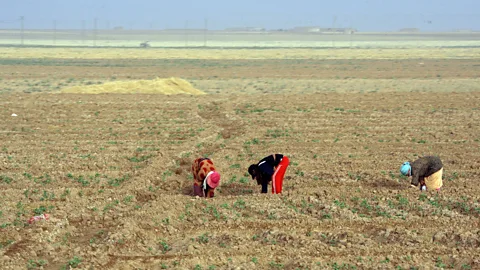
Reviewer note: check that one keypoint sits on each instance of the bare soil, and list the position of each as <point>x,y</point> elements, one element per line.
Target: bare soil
<point>113,171</point>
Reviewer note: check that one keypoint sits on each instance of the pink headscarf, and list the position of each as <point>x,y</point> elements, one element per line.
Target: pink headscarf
<point>214,179</point>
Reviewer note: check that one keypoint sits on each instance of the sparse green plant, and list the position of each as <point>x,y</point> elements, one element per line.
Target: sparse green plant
<point>326,216</point>
<point>80,179</point>
<point>74,262</point>
<point>47,196</point>
<point>166,221</point>
<point>276,133</point>
<point>186,155</point>
<point>5,179</point>
<point>138,159</point>
<point>34,264</point>
<point>434,202</point>
<point>402,201</point>
<point>115,182</point>
<point>166,174</point>
<point>92,240</point>
<point>235,166</point>
<point>439,263</point>
<point>366,205</point>
<point>233,179</point>
<point>272,215</point>
<point>213,210</point>
<point>65,193</point>
<point>110,206</point>
<point>203,239</point>
<point>275,265</point>
<point>164,246</point>
<point>128,199</point>
<point>386,260</point>
<point>299,173</point>
<point>40,210</point>
<point>453,176</point>
<point>243,180</point>
<point>340,204</point>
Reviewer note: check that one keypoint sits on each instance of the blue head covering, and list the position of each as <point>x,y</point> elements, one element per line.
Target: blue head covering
<point>405,168</point>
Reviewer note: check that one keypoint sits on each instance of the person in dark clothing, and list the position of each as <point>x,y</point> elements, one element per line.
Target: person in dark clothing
<point>270,169</point>
<point>426,171</point>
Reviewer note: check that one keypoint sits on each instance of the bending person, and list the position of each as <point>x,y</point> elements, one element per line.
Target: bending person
<point>426,171</point>
<point>270,169</point>
<point>205,178</point>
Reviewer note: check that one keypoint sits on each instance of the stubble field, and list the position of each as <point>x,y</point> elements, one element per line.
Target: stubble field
<point>113,171</point>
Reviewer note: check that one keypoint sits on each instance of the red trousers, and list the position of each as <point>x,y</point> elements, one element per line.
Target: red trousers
<point>277,177</point>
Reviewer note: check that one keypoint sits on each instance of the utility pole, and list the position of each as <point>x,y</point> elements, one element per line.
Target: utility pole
<point>83,31</point>
<point>333,29</point>
<point>205,33</point>
<point>106,34</point>
<point>95,32</point>
<point>22,21</point>
<point>351,33</point>
<point>186,33</point>
<point>54,32</point>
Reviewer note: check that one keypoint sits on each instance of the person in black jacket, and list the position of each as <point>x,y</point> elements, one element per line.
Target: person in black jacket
<point>270,169</point>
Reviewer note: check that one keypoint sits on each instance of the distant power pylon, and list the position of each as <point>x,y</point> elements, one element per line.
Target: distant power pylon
<point>83,32</point>
<point>54,32</point>
<point>205,33</point>
<point>22,26</point>
<point>95,32</point>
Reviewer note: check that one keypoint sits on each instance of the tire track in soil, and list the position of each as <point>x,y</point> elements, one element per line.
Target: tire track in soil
<point>217,117</point>
<point>221,122</point>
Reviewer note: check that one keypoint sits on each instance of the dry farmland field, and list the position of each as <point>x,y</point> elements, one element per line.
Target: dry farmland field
<point>113,170</point>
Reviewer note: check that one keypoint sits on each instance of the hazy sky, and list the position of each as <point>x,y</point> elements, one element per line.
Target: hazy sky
<point>365,15</point>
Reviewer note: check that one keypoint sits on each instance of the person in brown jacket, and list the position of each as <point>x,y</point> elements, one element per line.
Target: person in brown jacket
<point>426,171</point>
